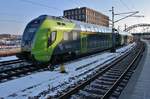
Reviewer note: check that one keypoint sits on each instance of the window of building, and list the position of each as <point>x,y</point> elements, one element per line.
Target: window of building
<point>79,17</point>
<point>83,16</point>
<point>76,17</point>
<point>76,11</point>
<point>83,11</point>
<point>68,13</point>
<point>79,12</point>
<point>72,17</point>
<point>72,12</point>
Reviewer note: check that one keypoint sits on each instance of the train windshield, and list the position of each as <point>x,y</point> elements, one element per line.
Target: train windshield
<point>30,30</point>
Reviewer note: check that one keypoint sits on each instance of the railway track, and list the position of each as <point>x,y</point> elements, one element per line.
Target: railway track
<point>10,62</point>
<point>108,82</point>
<point>13,69</point>
<point>8,65</point>
<point>19,71</point>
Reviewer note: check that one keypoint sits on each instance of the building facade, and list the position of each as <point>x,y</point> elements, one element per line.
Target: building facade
<point>87,15</point>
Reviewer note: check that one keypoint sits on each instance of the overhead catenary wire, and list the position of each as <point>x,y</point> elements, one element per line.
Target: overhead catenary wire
<point>137,16</point>
<point>77,2</point>
<point>26,1</point>
<point>125,5</point>
<point>11,20</point>
<point>40,4</point>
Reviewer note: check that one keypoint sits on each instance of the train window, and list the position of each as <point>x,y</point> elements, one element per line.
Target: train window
<point>66,36</point>
<point>75,35</point>
<point>99,29</point>
<point>96,30</point>
<point>109,30</point>
<point>92,29</point>
<point>82,28</point>
<point>102,29</point>
<point>31,30</point>
<point>88,28</point>
<point>105,30</point>
<point>51,38</point>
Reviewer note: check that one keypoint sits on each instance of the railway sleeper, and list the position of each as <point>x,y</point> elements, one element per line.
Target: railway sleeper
<point>111,76</point>
<point>106,79</point>
<point>114,70</point>
<point>95,85</point>
<point>95,91</point>
<point>119,88</point>
<point>88,95</point>
<point>112,73</point>
<point>75,96</point>
<point>115,95</point>
<point>122,84</point>
<point>105,83</point>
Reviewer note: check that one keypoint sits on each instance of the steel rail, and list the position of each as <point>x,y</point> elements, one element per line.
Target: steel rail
<point>85,83</point>
<point>10,62</point>
<point>118,81</point>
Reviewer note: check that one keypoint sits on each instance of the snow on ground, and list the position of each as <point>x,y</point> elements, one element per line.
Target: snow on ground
<point>49,83</point>
<point>8,58</point>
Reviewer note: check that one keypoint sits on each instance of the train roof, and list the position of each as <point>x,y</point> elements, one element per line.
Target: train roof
<point>86,26</point>
<point>125,33</point>
<point>83,26</point>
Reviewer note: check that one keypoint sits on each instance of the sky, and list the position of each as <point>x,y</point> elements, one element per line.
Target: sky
<point>15,14</point>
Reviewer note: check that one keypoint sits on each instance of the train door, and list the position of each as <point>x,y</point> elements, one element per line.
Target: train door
<point>83,42</point>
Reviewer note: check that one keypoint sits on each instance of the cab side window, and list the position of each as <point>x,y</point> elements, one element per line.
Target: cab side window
<point>51,38</point>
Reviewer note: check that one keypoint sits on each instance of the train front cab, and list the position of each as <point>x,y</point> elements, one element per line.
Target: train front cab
<point>28,38</point>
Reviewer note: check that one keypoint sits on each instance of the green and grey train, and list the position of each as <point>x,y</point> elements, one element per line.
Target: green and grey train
<point>48,38</point>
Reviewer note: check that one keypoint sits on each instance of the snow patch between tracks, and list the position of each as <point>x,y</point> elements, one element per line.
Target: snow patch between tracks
<point>47,83</point>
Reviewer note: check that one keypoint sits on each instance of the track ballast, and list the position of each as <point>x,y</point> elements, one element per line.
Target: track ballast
<point>108,82</point>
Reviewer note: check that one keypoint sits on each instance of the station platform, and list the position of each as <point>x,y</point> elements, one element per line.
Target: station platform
<point>138,86</point>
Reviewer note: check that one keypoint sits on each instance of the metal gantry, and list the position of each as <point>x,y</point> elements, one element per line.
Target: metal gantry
<point>128,14</point>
